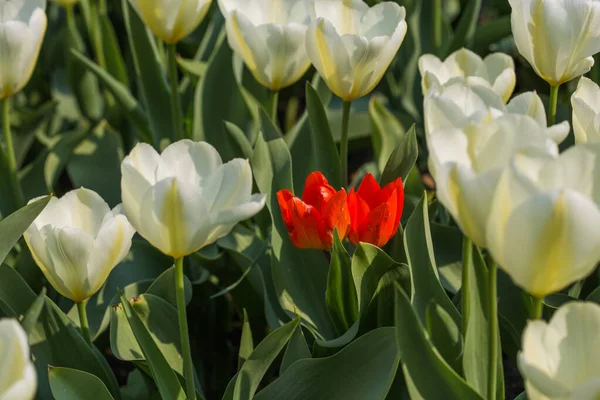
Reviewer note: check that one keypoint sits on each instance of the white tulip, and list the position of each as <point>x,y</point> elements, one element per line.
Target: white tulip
<point>559,359</point>
<point>460,102</point>
<point>186,198</point>
<point>586,111</point>
<point>270,36</point>
<point>496,71</point>
<point>18,380</point>
<point>171,20</point>
<point>352,45</point>
<point>544,225</point>
<point>467,165</point>
<point>77,241</point>
<point>22,28</point>
<point>557,37</point>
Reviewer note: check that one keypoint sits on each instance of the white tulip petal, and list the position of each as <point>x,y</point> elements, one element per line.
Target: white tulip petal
<point>224,221</point>
<point>234,186</point>
<point>86,209</point>
<point>586,109</point>
<point>528,103</point>
<point>345,15</point>
<point>543,246</point>
<point>188,161</point>
<point>18,380</point>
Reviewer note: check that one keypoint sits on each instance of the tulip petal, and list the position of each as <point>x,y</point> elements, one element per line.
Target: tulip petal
<point>110,248</point>
<point>380,223</point>
<point>188,161</point>
<point>345,16</point>
<point>283,198</point>
<point>586,108</point>
<point>86,210</point>
<point>233,188</point>
<point>189,16</point>
<point>336,215</point>
<point>359,212</point>
<point>308,228</point>
<point>18,379</point>
<point>317,190</point>
<point>224,221</point>
<point>501,75</point>
<point>369,190</point>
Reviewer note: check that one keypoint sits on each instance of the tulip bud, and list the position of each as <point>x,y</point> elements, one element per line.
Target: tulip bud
<point>312,220</point>
<point>77,241</point>
<point>586,111</point>
<point>558,360</point>
<point>496,71</point>
<point>352,45</point>
<point>18,380</point>
<point>270,38</point>
<point>171,21</point>
<point>23,24</point>
<point>544,225</point>
<point>186,198</point>
<point>375,212</point>
<point>558,38</point>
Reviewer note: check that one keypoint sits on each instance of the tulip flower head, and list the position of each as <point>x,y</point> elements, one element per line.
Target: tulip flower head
<point>18,380</point>
<point>557,37</point>
<point>171,20</point>
<point>559,358</point>
<point>186,198</point>
<point>23,25</point>
<point>77,240</point>
<point>312,219</point>
<point>496,71</point>
<point>375,212</point>
<point>586,111</point>
<point>352,45</point>
<point>270,37</point>
<point>544,224</point>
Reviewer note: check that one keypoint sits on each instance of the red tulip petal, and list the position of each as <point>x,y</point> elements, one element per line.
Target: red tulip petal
<point>396,189</point>
<point>307,226</point>
<point>283,198</point>
<point>369,191</point>
<point>359,211</point>
<point>380,224</point>
<point>317,190</point>
<point>336,216</point>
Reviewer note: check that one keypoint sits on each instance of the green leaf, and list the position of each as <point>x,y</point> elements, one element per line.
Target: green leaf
<point>130,106</point>
<point>115,65</point>
<point>193,67</point>
<point>467,25</point>
<point>297,349</point>
<point>268,128</point>
<point>341,299</point>
<point>476,354</point>
<point>446,336</point>
<point>165,378</point>
<point>16,297</point>
<point>421,261</point>
<point>246,343</point>
<point>151,77</point>
<point>13,226</point>
<point>429,373</point>
<point>240,142</point>
<point>364,369</point>
<point>402,159</point>
<point>387,132</point>
<point>324,150</point>
<point>164,288</point>
<point>59,154</point>
<point>32,316</point>
<point>72,384</point>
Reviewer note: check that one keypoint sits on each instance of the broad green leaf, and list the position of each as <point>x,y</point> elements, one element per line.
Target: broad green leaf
<point>16,297</point>
<point>364,369</point>
<point>421,261</point>
<point>130,106</point>
<point>447,245</point>
<point>193,67</point>
<point>387,132</point>
<point>240,142</point>
<point>115,65</point>
<point>342,302</point>
<point>164,287</point>
<point>403,158</point>
<point>13,226</point>
<point>165,378</point>
<point>151,76</point>
<point>268,128</point>
<point>297,349</point>
<point>467,25</point>
<point>72,384</point>
<point>246,343</point>
<point>429,373</point>
<point>324,150</point>
<point>59,154</point>
<point>300,276</point>
<point>30,319</point>
<point>445,335</point>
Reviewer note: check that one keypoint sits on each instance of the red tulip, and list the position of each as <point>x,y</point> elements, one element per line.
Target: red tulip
<point>375,212</point>
<point>311,220</point>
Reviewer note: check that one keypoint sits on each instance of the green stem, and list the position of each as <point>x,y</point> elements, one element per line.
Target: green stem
<point>273,103</point>
<point>11,159</point>
<point>467,254</point>
<point>538,308</point>
<point>188,367</point>
<point>437,25</point>
<point>553,104</point>
<point>344,144</point>
<point>83,320</point>
<point>96,33</point>
<point>493,330</point>
<point>174,81</point>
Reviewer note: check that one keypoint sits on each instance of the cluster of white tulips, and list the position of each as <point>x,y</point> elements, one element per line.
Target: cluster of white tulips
<point>499,173</point>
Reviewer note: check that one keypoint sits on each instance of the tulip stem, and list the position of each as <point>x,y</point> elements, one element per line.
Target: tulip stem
<point>174,81</point>
<point>493,330</point>
<point>553,104</point>
<point>537,308</point>
<point>437,26</point>
<point>188,367</point>
<point>83,322</point>
<point>96,33</point>
<point>467,254</point>
<point>344,144</point>
<point>273,103</point>
<point>11,159</point>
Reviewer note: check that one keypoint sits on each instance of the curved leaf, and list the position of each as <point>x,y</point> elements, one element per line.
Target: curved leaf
<point>72,384</point>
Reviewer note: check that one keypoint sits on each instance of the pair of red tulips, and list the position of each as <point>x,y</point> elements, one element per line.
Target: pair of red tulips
<point>371,214</point>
